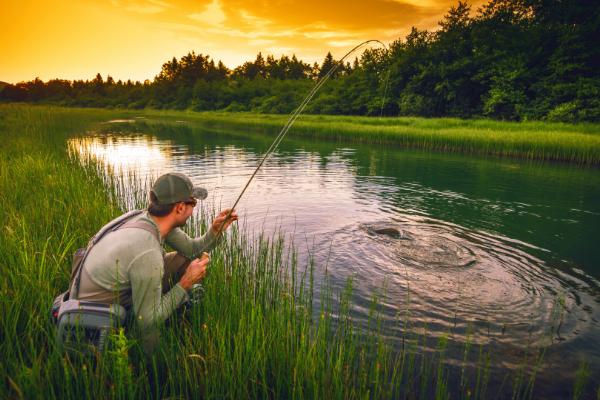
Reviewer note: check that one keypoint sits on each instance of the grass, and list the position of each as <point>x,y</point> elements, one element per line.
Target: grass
<point>259,331</point>
<point>531,140</point>
<point>573,143</point>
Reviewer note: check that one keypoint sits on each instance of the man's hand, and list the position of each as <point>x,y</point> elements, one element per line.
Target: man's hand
<point>195,272</point>
<point>220,223</point>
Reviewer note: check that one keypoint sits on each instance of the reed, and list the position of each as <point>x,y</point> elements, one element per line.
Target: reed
<point>260,330</point>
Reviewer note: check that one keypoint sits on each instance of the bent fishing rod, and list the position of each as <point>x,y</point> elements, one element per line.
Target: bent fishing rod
<point>295,114</point>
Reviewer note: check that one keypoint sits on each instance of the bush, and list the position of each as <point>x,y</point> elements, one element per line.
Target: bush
<point>565,112</point>
<point>412,104</point>
<point>235,106</point>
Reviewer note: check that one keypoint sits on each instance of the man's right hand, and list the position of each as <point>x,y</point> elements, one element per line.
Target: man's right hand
<point>195,272</point>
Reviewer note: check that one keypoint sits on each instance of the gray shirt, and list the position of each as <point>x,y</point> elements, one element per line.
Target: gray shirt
<point>128,265</point>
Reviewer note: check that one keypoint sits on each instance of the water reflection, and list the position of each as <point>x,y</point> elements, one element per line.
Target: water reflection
<point>499,251</point>
<point>138,154</point>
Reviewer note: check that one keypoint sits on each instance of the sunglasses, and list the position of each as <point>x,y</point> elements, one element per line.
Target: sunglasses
<point>191,202</point>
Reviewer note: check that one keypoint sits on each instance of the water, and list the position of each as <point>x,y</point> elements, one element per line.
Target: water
<point>503,252</point>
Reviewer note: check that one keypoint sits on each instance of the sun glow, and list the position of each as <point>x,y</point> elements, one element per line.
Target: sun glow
<point>129,154</point>
<point>131,39</point>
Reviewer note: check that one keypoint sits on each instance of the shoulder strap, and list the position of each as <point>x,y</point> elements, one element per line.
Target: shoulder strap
<point>144,225</point>
<point>112,226</point>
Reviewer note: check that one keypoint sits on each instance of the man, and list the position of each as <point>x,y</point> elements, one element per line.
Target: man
<point>129,265</point>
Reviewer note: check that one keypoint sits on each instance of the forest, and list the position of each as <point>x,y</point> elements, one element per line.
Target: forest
<point>509,60</point>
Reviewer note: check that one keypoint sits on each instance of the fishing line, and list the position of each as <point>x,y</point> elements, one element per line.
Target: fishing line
<point>296,113</point>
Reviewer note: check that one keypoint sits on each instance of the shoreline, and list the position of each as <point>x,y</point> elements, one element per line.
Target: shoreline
<point>545,141</point>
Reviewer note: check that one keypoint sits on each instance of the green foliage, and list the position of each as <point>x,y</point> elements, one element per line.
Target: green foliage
<point>118,358</point>
<point>506,97</point>
<point>509,60</point>
<point>412,104</point>
<point>565,112</point>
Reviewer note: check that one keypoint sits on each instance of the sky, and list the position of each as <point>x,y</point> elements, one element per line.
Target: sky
<point>131,39</point>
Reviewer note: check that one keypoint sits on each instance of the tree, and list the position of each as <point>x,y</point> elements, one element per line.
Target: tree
<point>98,85</point>
<point>328,64</point>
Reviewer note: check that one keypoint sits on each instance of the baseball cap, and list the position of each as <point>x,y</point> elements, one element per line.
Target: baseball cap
<point>174,187</point>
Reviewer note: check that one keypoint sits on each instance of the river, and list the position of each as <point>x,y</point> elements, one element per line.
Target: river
<point>499,252</point>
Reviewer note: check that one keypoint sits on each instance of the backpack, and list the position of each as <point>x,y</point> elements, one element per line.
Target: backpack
<point>83,326</point>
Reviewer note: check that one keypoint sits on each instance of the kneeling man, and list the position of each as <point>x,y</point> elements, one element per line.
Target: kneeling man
<point>129,265</point>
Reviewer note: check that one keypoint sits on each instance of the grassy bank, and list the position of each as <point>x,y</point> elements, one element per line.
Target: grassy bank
<point>256,334</point>
<point>573,143</point>
<point>531,140</point>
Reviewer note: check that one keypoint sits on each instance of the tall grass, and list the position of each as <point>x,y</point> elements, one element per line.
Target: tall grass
<point>259,331</point>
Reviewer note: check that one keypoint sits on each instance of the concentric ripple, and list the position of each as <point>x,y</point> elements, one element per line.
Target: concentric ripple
<point>452,279</point>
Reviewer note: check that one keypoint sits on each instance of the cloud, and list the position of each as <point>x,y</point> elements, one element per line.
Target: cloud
<point>280,51</point>
<point>160,3</point>
<point>142,7</point>
<point>308,28</point>
<point>347,14</point>
<point>261,42</point>
<point>318,35</point>
<point>145,9</point>
<point>212,15</point>
<point>254,21</point>
<point>342,43</point>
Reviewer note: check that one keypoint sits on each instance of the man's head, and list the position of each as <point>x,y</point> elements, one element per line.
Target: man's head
<point>174,193</point>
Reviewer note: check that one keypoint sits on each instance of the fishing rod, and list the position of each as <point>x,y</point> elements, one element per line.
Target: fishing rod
<point>296,113</point>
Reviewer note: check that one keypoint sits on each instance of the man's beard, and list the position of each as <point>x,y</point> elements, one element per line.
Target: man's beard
<point>182,224</point>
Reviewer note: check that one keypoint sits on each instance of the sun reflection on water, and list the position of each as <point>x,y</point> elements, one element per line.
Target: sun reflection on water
<point>123,154</point>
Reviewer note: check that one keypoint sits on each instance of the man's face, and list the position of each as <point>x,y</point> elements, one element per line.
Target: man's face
<point>185,211</point>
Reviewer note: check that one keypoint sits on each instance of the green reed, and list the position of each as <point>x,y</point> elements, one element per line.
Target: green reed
<point>259,331</point>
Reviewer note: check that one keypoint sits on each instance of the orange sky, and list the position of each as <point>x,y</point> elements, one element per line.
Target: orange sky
<point>131,39</point>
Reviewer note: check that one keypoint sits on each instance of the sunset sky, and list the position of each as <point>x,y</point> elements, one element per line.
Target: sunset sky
<point>131,39</point>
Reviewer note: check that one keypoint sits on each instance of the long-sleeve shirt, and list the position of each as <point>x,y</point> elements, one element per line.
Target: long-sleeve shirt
<point>126,266</point>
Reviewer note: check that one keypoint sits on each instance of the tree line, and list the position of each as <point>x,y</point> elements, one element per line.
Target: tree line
<point>511,59</point>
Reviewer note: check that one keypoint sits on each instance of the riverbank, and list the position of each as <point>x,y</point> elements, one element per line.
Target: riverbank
<point>546,141</point>
<point>254,335</point>
<point>573,143</point>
